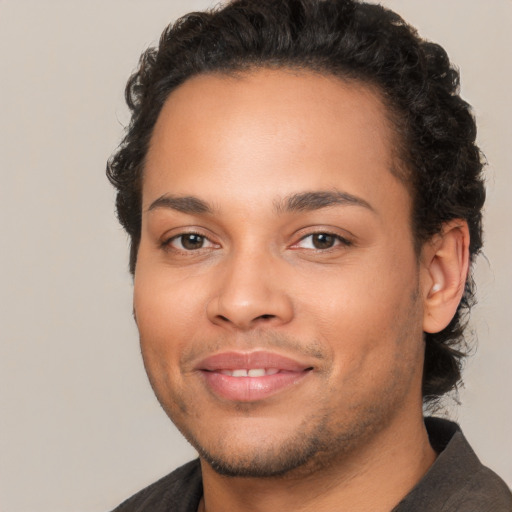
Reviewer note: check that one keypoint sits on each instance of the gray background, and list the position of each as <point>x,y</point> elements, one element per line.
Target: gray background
<point>79,427</point>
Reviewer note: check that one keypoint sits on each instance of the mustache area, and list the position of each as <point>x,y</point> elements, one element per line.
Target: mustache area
<point>288,346</point>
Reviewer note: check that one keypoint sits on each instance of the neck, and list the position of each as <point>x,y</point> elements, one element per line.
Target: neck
<point>375,476</point>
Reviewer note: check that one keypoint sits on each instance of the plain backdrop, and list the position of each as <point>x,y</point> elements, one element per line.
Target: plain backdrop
<point>80,429</point>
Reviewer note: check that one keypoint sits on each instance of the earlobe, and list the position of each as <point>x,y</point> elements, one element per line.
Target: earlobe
<point>446,262</point>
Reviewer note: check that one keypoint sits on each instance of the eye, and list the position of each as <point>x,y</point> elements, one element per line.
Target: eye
<point>190,242</point>
<point>321,241</point>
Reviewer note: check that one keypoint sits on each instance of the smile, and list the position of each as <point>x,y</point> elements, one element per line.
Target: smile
<point>253,372</point>
<point>250,377</point>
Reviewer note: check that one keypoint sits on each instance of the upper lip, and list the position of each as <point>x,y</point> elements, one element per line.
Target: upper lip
<point>250,360</point>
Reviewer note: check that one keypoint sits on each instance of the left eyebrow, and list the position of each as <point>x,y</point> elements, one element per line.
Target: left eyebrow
<point>309,201</point>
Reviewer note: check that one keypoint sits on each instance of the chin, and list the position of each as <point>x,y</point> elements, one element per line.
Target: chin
<point>260,453</point>
<point>261,463</point>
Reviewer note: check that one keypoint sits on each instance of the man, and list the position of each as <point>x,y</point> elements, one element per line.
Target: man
<point>303,193</point>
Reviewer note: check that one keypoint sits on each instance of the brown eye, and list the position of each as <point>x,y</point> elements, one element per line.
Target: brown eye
<point>323,240</point>
<point>189,242</point>
<point>192,241</point>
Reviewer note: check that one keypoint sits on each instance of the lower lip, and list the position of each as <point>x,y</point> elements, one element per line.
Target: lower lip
<point>251,389</point>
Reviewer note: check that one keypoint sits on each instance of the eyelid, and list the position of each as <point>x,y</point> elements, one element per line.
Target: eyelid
<point>340,239</point>
<point>166,241</point>
<point>303,234</point>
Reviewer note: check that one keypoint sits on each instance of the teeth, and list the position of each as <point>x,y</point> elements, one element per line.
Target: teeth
<point>253,372</point>
<point>259,372</point>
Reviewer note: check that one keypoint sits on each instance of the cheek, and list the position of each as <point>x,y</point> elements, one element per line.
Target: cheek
<point>167,315</point>
<point>163,330</point>
<point>370,314</point>
<point>165,296</point>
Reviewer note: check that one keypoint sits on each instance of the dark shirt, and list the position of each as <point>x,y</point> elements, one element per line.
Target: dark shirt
<point>456,482</point>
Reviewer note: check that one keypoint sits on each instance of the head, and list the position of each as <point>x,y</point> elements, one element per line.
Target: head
<point>366,51</point>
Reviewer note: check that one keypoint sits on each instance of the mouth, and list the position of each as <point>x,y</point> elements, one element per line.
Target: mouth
<point>251,377</point>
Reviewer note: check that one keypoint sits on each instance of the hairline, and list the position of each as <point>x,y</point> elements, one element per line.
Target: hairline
<point>399,168</point>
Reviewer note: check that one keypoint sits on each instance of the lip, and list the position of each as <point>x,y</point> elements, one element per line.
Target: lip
<point>251,389</point>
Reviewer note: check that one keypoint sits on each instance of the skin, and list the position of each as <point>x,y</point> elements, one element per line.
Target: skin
<point>351,431</point>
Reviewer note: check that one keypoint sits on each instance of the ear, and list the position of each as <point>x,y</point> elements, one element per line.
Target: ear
<point>445,261</point>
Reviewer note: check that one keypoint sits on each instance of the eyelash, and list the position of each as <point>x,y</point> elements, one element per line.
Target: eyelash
<point>338,238</point>
<point>167,244</point>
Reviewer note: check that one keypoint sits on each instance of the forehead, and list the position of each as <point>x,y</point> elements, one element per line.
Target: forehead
<point>275,130</point>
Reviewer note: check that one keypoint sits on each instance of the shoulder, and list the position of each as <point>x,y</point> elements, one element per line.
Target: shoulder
<point>485,490</point>
<point>482,491</point>
<point>179,491</point>
<point>457,481</point>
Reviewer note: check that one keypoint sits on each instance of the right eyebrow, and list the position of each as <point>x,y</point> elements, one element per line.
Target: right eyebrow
<point>183,204</point>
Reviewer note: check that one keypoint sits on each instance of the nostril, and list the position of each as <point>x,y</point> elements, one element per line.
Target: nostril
<point>263,318</point>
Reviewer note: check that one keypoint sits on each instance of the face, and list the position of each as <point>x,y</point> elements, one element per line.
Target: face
<point>277,290</point>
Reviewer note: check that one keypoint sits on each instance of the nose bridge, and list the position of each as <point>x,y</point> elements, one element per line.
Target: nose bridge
<point>249,291</point>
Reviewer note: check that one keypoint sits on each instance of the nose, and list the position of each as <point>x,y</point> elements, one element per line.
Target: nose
<point>250,292</point>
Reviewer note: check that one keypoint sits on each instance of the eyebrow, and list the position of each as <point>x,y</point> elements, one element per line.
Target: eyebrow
<point>309,201</point>
<point>183,204</point>
<point>304,201</point>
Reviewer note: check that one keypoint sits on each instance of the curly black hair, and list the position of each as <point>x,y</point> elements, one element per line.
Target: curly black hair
<point>354,41</point>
